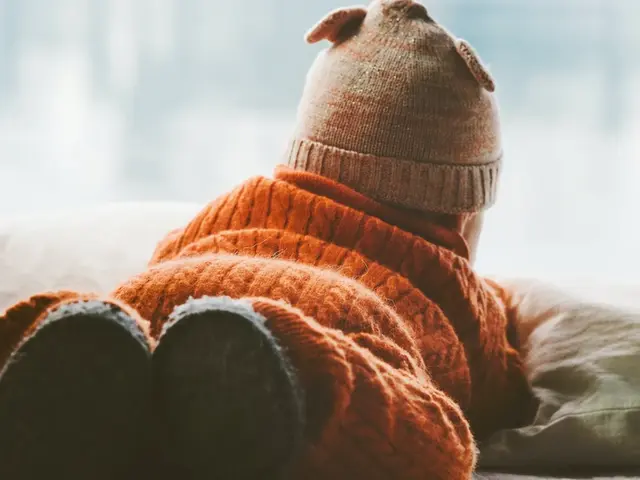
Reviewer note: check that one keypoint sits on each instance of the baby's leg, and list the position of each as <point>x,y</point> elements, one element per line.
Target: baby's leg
<point>369,418</point>
<point>74,383</point>
<point>254,389</point>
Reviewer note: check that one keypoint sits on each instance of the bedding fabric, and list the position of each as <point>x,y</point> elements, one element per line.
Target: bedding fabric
<point>85,249</point>
<point>583,361</point>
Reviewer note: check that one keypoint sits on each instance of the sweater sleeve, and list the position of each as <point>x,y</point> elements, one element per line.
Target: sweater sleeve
<point>507,300</point>
<point>367,414</point>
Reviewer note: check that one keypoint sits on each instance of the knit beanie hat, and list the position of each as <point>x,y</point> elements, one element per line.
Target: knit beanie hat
<point>399,110</point>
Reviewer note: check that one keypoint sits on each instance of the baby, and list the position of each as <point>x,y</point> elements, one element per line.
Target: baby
<point>323,324</point>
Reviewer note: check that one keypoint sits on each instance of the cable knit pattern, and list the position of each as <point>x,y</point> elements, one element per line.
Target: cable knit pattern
<point>378,422</point>
<point>439,346</point>
<point>346,305</point>
<point>498,385</point>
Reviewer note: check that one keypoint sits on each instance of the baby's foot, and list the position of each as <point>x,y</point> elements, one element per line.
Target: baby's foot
<point>74,394</point>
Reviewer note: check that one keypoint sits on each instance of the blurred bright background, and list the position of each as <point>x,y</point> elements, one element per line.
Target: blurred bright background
<point>106,100</point>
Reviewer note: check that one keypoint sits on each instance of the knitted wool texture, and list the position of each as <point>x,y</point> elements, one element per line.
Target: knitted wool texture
<point>401,349</point>
<point>399,110</point>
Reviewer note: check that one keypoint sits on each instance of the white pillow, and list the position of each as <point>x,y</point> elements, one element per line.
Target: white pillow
<point>90,249</point>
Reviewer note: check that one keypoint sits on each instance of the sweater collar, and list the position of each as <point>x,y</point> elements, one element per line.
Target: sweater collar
<point>343,195</point>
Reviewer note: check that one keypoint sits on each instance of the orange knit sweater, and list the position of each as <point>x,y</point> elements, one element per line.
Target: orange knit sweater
<point>401,349</point>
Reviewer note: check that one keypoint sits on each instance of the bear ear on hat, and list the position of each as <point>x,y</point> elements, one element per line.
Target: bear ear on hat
<point>475,65</point>
<point>337,25</point>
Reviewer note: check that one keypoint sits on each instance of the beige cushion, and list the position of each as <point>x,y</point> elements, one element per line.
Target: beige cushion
<point>583,361</point>
<point>83,249</point>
